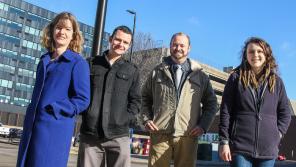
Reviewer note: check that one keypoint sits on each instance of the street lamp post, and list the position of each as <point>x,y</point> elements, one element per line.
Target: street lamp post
<point>99,27</point>
<point>134,30</point>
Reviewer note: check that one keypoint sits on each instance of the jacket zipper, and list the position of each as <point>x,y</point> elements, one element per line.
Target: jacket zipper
<point>259,118</point>
<point>166,71</point>
<point>256,129</point>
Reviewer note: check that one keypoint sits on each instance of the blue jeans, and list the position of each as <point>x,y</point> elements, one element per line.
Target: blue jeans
<point>239,160</point>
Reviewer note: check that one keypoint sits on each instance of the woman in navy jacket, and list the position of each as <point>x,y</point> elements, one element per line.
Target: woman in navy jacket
<point>61,92</point>
<point>255,112</point>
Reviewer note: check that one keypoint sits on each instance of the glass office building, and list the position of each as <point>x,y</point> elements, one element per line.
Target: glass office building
<point>21,25</point>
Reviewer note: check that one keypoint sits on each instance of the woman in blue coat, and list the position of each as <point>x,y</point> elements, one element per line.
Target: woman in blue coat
<point>61,92</point>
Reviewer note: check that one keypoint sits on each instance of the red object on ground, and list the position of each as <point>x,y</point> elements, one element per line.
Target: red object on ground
<point>146,147</point>
<point>281,158</point>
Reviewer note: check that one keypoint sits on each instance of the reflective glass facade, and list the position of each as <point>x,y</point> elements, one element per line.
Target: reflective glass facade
<point>21,25</point>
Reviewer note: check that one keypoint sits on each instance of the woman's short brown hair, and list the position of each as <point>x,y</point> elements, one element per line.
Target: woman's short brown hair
<point>47,39</point>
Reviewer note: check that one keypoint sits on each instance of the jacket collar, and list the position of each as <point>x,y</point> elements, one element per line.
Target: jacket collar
<point>118,61</point>
<point>67,55</point>
<point>194,65</point>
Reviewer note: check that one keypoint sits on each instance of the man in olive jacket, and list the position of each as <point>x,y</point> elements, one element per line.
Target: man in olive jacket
<point>177,106</point>
<point>116,99</point>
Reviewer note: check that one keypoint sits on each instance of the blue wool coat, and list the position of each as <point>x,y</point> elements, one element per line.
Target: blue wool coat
<point>58,96</point>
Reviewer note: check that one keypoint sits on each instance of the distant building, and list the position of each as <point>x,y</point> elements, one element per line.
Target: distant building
<point>228,69</point>
<point>21,25</point>
<point>293,103</point>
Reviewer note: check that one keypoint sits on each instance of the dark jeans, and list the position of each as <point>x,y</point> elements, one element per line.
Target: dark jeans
<point>239,160</point>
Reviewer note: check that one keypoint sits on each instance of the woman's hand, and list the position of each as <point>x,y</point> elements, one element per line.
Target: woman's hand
<point>224,152</point>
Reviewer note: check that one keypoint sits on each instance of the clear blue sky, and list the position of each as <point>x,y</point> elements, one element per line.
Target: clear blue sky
<point>217,28</point>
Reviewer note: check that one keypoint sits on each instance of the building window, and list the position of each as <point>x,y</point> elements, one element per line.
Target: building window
<point>11,24</point>
<point>8,53</point>
<point>20,101</point>
<point>31,45</point>
<point>37,60</point>
<point>3,6</point>
<point>37,18</point>
<point>18,11</point>
<point>32,31</point>
<point>24,87</point>
<point>25,72</point>
<point>7,68</point>
<point>27,58</point>
<point>10,38</point>
<point>5,83</point>
<point>4,98</point>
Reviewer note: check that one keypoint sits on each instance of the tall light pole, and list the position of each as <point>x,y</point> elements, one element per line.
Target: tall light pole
<point>99,27</point>
<point>134,30</point>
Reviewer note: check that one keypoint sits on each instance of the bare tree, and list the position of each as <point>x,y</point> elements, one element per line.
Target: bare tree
<point>147,53</point>
<point>143,41</point>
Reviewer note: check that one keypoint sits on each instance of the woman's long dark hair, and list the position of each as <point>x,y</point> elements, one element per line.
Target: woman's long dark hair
<point>268,73</point>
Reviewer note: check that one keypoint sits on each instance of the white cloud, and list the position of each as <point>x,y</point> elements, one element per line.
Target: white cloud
<point>285,46</point>
<point>288,49</point>
<point>193,20</point>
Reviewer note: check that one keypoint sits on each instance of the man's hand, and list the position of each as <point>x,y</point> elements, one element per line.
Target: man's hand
<point>197,131</point>
<point>224,152</point>
<point>150,126</point>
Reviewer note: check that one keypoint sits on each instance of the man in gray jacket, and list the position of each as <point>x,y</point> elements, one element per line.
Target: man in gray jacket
<point>178,105</point>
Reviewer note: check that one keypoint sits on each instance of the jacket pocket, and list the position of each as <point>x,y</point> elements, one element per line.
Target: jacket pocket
<point>122,81</point>
<point>120,119</point>
<point>195,81</point>
<point>164,90</point>
<point>233,129</point>
<point>195,87</point>
<point>243,132</point>
<point>96,76</point>
<point>123,76</point>
<point>269,137</point>
<point>61,108</point>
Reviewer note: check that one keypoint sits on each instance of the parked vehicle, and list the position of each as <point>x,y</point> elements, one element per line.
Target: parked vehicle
<point>14,133</point>
<point>4,131</point>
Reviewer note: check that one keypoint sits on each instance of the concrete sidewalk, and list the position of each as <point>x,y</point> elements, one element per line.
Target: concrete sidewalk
<point>8,155</point>
<point>140,159</point>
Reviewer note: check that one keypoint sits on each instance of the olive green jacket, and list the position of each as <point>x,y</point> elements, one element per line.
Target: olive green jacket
<point>197,105</point>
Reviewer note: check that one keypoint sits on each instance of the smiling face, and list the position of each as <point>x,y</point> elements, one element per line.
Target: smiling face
<point>119,43</point>
<point>63,33</point>
<point>179,48</point>
<point>256,57</point>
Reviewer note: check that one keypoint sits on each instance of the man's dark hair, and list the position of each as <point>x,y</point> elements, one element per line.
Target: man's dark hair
<point>125,29</point>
